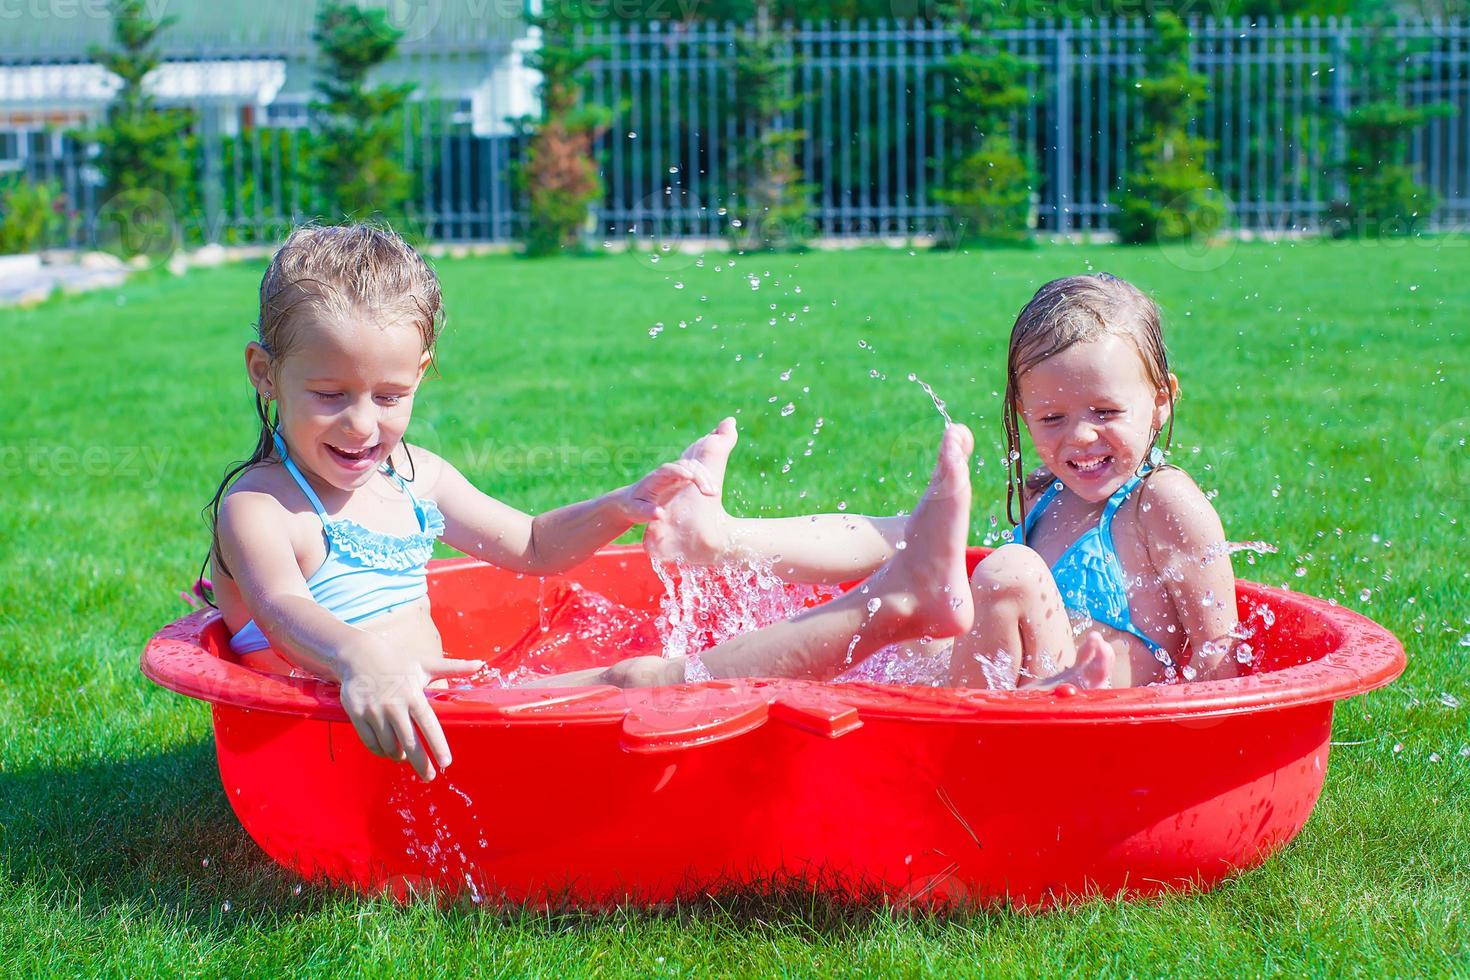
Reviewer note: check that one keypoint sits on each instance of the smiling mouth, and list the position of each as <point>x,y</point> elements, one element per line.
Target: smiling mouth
<point>354,456</point>
<point>1090,467</point>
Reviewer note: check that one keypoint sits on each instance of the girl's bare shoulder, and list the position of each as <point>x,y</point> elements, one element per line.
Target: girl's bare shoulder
<point>426,471</point>
<point>1171,507</point>
<point>267,478</point>
<point>263,491</point>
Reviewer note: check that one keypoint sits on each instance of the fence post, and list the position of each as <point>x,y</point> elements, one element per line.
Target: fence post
<point>1061,67</point>
<point>212,201</point>
<point>1341,102</point>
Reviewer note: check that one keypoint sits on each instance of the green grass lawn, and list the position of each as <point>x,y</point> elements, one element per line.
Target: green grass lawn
<point>1326,397</point>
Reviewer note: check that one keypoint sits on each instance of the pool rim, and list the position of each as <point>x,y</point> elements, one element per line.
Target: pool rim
<point>184,657</point>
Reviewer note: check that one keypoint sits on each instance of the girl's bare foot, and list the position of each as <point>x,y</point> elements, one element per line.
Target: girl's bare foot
<point>924,589</point>
<point>695,527</point>
<point>1094,664</point>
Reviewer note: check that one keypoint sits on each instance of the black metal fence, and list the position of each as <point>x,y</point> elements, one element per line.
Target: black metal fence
<point>870,145</point>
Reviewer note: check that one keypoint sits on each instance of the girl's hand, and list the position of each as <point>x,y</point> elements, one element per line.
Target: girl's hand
<point>644,501</point>
<point>694,526</point>
<point>383,695</point>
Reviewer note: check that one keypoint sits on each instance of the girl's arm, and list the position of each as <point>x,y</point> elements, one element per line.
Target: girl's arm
<point>1186,542</point>
<point>381,687</point>
<point>559,539</point>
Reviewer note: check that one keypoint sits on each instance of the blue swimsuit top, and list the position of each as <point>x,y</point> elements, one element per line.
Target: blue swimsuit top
<point>1089,574</point>
<point>366,573</point>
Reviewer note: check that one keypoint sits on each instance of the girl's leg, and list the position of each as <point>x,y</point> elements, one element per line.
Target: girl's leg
<point>1021,636</point>
<point>825,549</point>
<point>921,591</point>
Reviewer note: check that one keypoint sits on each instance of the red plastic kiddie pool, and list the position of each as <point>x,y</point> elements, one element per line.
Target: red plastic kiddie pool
<point>597,795</point>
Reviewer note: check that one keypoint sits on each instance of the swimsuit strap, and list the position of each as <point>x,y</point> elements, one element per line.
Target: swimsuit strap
<point>426,519</point>
<point>316,503</point>
<point>389,470</point>
<point>1035,512</point>
<point>1105,525</point>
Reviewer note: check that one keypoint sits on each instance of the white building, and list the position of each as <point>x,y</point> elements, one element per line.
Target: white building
<point>239,63</point>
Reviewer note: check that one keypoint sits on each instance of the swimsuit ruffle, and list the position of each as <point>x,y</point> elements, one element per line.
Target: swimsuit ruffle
<point>391,552</point>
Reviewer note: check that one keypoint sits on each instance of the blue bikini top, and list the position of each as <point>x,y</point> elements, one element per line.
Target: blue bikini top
<point>1089,574</point>
<point>366,573</point>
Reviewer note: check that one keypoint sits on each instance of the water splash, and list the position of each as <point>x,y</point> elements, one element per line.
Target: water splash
<point>705,605</point>
<point>938,402</point>
<point>436,846</point>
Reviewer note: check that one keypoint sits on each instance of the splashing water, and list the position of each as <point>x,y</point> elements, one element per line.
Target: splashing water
<point>437,845</point>
<point>913,665</point>
<point>705,605</point>
<point>938,402</point>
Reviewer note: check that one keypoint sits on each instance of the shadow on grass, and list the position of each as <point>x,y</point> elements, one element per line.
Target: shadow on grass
<point>153,835</point>
<point>154,839</point>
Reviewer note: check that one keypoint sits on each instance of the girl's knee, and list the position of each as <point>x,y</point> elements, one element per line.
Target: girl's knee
<point>1012,570</point>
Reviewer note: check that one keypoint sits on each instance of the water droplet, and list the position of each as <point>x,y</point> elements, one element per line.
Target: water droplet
<point>678,285</point>
<point>1398,747</point>
<point>226,907</point>
<point>1448,700</point>
<point>787,409</point>
<point>296,889</point>
<point>1301,571</point>
<point>1365,595</point>
<point>1434,757</point>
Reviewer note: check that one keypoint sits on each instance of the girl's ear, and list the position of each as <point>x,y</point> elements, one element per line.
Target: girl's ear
<point>1163,401</point>
<point>258,365</point>
<point>424,363</point>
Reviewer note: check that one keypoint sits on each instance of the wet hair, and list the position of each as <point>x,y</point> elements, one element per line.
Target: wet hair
<point>1068,311</point>
<point>331,273</point>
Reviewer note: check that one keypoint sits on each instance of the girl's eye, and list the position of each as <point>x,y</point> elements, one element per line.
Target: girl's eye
<point>1051,418</point>
<point>326,396</point>
<point>390,399</point>
<point>1108,413</point>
